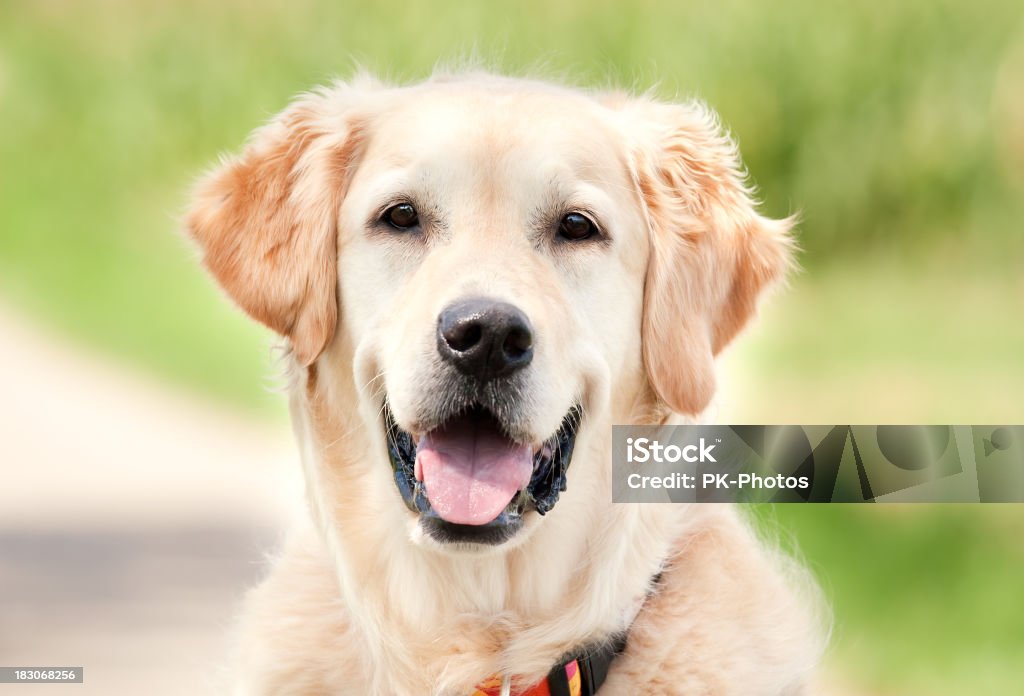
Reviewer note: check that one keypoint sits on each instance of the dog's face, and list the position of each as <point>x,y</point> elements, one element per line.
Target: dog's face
<point>494,265</point>
<point>491,278</point>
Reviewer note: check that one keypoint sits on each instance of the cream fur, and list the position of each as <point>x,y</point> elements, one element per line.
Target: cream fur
<point>359,602</point>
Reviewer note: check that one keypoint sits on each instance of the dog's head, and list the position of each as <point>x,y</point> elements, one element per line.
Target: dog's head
<point>487,263</point>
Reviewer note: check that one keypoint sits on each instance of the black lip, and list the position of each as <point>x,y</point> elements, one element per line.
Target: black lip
<point>491,534</point>
<point>548,481</point>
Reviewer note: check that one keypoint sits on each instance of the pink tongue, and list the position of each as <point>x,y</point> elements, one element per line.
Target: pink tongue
<point>471,470</point>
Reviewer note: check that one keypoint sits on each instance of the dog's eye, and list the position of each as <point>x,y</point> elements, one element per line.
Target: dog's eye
<point>402,216</point>
<point>576,226</point>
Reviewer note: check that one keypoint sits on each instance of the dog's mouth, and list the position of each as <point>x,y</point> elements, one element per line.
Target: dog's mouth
<point>469,481</point>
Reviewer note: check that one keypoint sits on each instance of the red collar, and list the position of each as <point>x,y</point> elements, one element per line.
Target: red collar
<point>582,674</point>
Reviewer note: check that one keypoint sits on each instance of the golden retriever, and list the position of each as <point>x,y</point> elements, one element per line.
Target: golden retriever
<point>477,276</point>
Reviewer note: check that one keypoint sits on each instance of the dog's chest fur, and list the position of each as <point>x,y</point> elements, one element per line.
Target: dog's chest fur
<point>725,619</point>
<point>322,649</point>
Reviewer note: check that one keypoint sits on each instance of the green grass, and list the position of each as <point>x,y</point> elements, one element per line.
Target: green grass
<point>926,598</point>
<point>886,339</point>
<point>895,129</point>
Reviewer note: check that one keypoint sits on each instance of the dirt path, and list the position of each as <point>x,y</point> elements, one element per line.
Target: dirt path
<point>85,441</point>
<point>132,518</point>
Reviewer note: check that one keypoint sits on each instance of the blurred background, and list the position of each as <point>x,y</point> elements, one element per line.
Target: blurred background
<point>145,456</point>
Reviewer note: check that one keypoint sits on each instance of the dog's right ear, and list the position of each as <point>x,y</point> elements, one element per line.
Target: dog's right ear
<point>266,221</point>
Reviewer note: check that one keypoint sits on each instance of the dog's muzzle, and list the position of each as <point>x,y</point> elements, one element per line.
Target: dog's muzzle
<point>469,476</point>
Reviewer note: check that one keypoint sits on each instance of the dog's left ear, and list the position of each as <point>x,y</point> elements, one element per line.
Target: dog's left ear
<point>266,221</point>
<point>711,253</point>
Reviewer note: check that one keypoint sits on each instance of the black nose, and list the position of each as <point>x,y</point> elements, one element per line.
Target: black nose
<point>484,338</point>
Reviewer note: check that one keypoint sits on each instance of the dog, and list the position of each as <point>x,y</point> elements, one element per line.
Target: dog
<point>476,276</point>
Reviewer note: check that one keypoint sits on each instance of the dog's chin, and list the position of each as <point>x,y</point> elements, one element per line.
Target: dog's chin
<point>433,533</point>
<point>470,485</point>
